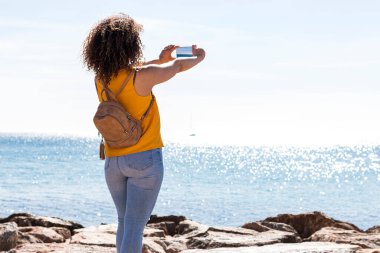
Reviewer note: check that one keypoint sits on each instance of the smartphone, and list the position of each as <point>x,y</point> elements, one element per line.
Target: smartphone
<point>184,52</point>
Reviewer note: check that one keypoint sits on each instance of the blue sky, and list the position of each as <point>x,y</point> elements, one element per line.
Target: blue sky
<point>276,72</point>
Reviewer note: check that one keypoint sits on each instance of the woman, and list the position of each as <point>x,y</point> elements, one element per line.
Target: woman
<point>113,50</point>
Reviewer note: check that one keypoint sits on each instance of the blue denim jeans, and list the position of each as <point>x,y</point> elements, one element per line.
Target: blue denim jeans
<point>134,182</point>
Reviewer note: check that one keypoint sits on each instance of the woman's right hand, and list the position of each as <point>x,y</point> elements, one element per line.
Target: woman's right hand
<point>199,52</point>
<point>166,54</point>
<point>151,75</point>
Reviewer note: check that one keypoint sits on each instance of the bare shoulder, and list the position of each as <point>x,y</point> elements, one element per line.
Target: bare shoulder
<point>150,75</point>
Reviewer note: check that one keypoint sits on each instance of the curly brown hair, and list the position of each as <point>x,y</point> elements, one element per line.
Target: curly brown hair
<point>113,44</point>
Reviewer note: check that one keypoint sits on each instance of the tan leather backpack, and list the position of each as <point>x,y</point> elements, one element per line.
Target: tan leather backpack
<point>116,125</point>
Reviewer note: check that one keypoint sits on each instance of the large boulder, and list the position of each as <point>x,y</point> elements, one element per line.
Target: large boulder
<point>175,231</point>
<point>153,232</point>
<point>167,227</point>
<point>46,235</point>
<point>169,224</point>
<point>174,218</point>
<point>189,229</point>
<point>374,229</point>
<point>333,234</point>
<point>8,236</point>
<point>64,232</point>
<point>28,220</point>
<point>307,224</point>
<point>25,238</point>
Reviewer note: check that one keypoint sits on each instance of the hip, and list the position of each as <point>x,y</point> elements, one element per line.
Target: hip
<point>139,164</point>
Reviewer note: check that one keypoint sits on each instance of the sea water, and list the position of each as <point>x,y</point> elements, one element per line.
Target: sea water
<point>214,185</point>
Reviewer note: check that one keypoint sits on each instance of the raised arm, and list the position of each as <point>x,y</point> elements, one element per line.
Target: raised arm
<point>164,57</point>
<point>150,75</point>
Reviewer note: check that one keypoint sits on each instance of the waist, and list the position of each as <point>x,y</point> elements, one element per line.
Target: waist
<point>141,146</point>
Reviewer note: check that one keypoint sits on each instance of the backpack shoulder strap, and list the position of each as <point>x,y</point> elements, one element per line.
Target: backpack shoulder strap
<point>149,107</point>
<point>109,94</point>
<point>101,93</point>
<point>124,83</point>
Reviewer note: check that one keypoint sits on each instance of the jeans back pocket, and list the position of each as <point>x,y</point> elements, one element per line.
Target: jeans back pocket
<point>140,160</point>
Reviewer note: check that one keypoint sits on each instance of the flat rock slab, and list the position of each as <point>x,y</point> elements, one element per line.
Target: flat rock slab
<point>63,248</point>
<point>239,237</point>
<point>109,228</point>
<point>305,247</point>
<point>103,235</point>
<point>368,251</point>
<point>332,234</point>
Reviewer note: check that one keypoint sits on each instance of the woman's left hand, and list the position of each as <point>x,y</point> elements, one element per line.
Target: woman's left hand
<point>166,53</point>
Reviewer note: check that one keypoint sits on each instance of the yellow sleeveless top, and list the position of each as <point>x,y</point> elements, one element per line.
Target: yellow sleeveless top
<point>136,105</point>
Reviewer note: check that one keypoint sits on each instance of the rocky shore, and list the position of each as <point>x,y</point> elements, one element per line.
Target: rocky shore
<point>285,233</point>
